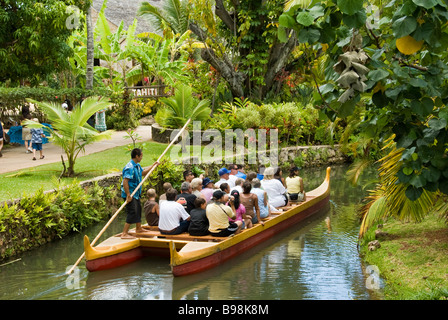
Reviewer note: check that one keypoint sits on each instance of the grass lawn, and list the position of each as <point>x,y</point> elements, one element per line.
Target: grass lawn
<point>413,259</point>
<point>14,184</point>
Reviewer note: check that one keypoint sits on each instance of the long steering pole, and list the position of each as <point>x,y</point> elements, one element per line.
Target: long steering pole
<point>124,203</point>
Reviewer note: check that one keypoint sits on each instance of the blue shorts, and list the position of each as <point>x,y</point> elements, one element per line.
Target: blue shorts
<point>37,146</point>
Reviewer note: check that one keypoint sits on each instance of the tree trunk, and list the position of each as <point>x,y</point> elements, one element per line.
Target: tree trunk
<point>90,49</point>
<point>278,59</point>
<point>226,69</point>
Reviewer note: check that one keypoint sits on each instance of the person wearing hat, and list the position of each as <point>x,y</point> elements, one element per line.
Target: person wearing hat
<point>224,177</point>
<point>218,214</point>
<point>294,185</point>
<point>207,189</point>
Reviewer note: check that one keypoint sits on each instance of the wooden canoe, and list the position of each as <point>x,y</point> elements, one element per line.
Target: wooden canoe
<point>190,254</point>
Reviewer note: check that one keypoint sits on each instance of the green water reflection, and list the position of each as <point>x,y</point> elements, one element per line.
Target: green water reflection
<point>317,259</point>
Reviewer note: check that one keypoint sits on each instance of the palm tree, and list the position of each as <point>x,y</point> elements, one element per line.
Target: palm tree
<point>389,198</point>
<point>70,131</point>
<point>184,106</point>
<point>173,17</point>
<point>90,49</point>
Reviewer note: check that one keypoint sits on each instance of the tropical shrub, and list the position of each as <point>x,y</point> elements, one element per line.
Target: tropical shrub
<point>183,106</point>
<point>296,124</point>
<point>122,115</point>
<point>71,131</point>
<point>43,217</point>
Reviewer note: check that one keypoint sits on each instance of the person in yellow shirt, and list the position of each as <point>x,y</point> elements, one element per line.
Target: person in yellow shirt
<point>294,185</point>
<point>218,215</point>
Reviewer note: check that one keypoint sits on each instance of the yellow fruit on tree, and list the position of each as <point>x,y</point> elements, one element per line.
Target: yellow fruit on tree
<point>408,45</point>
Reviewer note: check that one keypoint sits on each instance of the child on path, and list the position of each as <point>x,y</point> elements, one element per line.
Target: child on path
<point>36,140</point>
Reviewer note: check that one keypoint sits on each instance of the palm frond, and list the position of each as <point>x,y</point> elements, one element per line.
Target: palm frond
<point>394,201</point>
<point>356,169</point>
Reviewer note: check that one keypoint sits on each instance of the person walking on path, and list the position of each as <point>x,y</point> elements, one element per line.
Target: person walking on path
<point>100,120</point>
<point>132,176</point>
<point>36,140</point>
<point>1,138</point>
<point>26,135</point>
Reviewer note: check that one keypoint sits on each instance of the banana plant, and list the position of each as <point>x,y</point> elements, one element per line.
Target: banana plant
<point>157,58</point>
<point>111,48</point>
<point>70,131</point>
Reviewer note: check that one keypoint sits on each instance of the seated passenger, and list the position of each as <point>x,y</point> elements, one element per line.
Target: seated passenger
<point>251,175</point>
<point>233,170</point>
<point>207,189</point>
<point>238,185</point>
<point>240,210</point>
<point>218,215</point>
<point>173,219</point>
<point>151,208</point>
<point>294,185</point>
<point>198,219</point>
<point>250,202</point>
<point>196,187</point>
<point>279,176</point>
<point>241,173</point>
<point>262,198</point>
<point>166,186</point>
<point>224,177</point>
<point>186,198</point>
<point>225,188</point>
<point>274,188</point>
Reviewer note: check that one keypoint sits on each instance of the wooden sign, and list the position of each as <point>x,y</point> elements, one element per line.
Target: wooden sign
<point>148,91</point>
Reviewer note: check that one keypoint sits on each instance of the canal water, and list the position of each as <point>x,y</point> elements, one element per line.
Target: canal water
<point>315,260</point>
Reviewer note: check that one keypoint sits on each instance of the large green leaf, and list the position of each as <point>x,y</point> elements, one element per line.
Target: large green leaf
<point>404,26</point>
<point>427,4</point>
<point>285,20</point>
<point>350,6</point>
<point>309,35</point>
<point>356,20</point>
<point>377,75</point>
<point>305,19</point>
<point>413,193</point>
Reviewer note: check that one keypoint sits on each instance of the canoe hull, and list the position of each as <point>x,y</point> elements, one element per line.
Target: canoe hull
<point>114,261</point>
<point>228,253</point>
<point>189,255</point>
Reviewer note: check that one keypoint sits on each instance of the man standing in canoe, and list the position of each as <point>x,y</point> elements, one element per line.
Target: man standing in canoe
<point>132,176</point>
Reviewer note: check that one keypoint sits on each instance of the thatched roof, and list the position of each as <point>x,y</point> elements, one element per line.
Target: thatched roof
<point>118,10</point>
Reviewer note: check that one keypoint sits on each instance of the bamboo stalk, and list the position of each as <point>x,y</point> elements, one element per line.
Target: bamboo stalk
<point>124,204</point>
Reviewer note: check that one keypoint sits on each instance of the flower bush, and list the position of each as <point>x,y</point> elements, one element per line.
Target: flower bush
<point>297,124</point>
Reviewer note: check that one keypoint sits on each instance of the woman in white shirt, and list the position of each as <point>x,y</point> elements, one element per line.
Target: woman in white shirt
<point>274,188</point>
